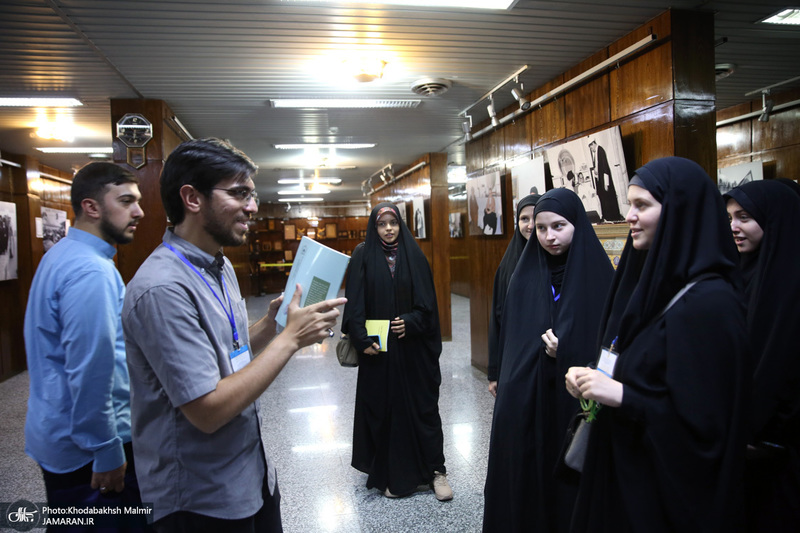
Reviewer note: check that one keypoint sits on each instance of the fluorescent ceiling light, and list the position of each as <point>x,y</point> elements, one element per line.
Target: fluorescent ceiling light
<point>315,190</point>
<point>786,16</point>
<point>463,4</point>
<point>73,150</point>
<point>345,146</point>
<point>296,181</point>
<point>315,167</point>
<point>348,103</point>
<point>299,199</point>
<point>40,102</point>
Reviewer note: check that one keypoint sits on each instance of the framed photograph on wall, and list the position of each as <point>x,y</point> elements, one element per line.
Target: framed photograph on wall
<point>343,234</point>
<point>54,226</point>
<point>8,241</point>
<point>527,178</point>
<point>401,206</point>
<point>594,167</point>
<point>736,175</point>
<point>289,232</point>
<point>331,230</point>
<point>485,205</point>
<point>418,217</point>
<point>456,227</point>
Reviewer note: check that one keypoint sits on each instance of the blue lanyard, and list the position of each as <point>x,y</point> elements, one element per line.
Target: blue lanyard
<point>230,316</point>
<point>555,296</point>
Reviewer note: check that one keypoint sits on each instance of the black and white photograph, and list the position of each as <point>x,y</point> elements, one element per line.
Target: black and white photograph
<point>527,178</point>
<point>456,226</point>
<point>418,217</point>
<point>485,205</point>
<point>594,168</point>
<point>8,241</point>
<point>401,206</point>
<point>54,226</point>
<point>731,177</point>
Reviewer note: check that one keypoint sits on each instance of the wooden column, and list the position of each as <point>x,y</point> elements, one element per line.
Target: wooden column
<point>166,136</point>
<point>440,241</point>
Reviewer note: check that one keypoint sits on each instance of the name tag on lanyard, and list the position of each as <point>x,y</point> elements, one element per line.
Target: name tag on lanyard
<point>607,361</point>
<point>240,358</point>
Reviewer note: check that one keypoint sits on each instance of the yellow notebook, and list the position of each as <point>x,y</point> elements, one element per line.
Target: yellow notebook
<point>381,329</point>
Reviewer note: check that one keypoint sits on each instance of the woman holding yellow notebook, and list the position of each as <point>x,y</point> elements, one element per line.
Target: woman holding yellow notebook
<point>397,431</point>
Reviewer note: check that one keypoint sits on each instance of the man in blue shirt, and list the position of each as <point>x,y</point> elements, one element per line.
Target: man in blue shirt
<point>78,423</point>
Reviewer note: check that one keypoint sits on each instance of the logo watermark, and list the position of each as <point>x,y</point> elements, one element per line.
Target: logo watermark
<point>23,515</point>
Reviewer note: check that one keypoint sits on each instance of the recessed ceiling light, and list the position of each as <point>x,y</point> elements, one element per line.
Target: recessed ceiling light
<point>786,16</point>
<point>299,199</point>
<point>40,102</point>
<point>73,150</point>
<point>296,181</point>
<point>346,103</point>
<point>344,146</point>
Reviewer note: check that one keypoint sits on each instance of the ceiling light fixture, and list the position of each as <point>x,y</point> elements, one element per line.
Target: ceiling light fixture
<point>462,4</point>
<point>343,146</point>
<point>341,103</point>
<point>299,199</point>
<point>524,103</point>
<point>40,102</point>
<point>302,181</point>
<point>766,107</point>
<point>789,16</point>
<point>466,127</point>
<point>314,190</point>
<point>73,150</point>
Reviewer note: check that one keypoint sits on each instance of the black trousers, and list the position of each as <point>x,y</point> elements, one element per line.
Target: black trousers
<point>266,520</point>
<point>74,489</point>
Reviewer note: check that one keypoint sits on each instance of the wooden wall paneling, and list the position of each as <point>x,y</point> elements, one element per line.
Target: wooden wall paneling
<point>647,135</point>
<point>586,107</point>
<point>695,133</point>
<point>780,163</point>
<point>518,137</point>
<point>494,147</point>
<point>439,240</point>
<point>473,154</point>
<point>781,130</point>
<point>459,252</point>
<point>548,124</point>
<point>693,54</point>
<point>645,79</point>
<point>737,138</point>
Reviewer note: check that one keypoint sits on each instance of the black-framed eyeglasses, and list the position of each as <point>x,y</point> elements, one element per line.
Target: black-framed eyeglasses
<point>243,194</point>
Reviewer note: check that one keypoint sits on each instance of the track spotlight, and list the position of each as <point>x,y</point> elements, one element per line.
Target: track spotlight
<point>466,126</point>
<point>383,177</point>
<point>766,107</point>
<point>524,104</point>
<point>490,109</point>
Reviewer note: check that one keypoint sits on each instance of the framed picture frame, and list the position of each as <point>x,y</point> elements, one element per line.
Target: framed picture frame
<point>331,230</point>
<point>289,232</point>
<point>362,234</point>
<point>343,234</point>
<point>287,255</point>
<point>277,245</point>
<point>613,238</point>
<point>271,223</point>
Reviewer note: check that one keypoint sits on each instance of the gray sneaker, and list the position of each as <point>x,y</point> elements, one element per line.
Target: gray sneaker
<point>441,487</point>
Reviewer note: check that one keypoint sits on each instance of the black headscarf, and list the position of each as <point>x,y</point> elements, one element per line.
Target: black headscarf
<point>533,408</point>
<point>501,280</point>
<point>646,280</point>
<point>773,312</point>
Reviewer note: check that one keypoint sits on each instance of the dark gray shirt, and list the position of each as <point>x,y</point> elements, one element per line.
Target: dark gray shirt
<point>179,340</point>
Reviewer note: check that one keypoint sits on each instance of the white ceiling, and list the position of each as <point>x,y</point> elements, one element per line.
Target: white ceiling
<point>216,64</point>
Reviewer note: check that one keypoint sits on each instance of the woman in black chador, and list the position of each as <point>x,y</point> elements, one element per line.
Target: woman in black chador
<point>765,221</point>
<point>522,232</point>
<point>666,451</point>
<point>397,431</point>
<point>550,320</point>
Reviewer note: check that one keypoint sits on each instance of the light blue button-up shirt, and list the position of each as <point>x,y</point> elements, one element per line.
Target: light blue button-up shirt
<point>79,403</point>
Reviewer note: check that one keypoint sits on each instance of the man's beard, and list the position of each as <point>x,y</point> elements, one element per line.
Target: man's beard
<point>222,233</point>
<point>113,233</point>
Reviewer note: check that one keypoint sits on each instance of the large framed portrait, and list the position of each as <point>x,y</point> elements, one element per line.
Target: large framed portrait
<point>485,205</point>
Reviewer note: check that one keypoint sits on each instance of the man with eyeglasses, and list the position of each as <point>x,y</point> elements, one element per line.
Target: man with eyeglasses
<point>196,369</point>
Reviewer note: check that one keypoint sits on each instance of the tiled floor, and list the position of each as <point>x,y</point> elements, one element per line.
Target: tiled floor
<point>308,429</point>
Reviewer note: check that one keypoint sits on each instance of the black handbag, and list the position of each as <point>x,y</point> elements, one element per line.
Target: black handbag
<point>573,452</point>
<point>346,352</point>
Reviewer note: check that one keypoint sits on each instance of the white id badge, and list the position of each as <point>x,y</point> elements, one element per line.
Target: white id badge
<point>606,362</point>
<point>240,358</point>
